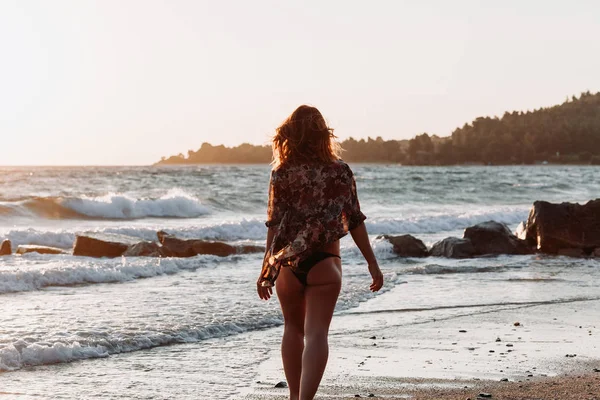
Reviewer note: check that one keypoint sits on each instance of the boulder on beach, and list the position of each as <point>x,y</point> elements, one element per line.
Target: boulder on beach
<point>24,249</point>
<point>102,244</point>
<point>406,245</point>
<point>175,247</point>
<point>551,227</point>
<point>453,247</point>
<point>6,248</point>
<point>493,237</point>
<point>145,249</point>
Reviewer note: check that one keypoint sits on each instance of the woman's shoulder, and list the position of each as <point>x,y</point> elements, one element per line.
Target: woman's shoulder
<point>343,168</point>
<point>338,166</point>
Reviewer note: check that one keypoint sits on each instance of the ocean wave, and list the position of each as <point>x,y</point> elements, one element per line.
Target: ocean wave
<point>444,222</point>
<point>436,269</point>
<point>175,204</point>
<point>254,228</point>
<point>69,271</point>
<point>91,343</point>
<point>21,353</point>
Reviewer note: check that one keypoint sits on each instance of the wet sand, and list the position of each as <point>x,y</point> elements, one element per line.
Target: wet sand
<point>544,351</point>
<point>575,387</point>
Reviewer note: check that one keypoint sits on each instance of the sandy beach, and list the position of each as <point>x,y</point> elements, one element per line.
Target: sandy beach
<point>527,351</point>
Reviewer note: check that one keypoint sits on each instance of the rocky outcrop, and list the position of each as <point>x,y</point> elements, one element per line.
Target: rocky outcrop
<point>145,249</point>
<point>114,245</point>
<point>521,231</point>
<point>24,249</point>
<point>552,227</point>
<point>102,244</point>
<point>174,247</point>
<point>492,237</point>
<point>407,245</point>
<point>596,252</point>
<point>571,252</point>
<point>453,247</point>
<point>6,248</point>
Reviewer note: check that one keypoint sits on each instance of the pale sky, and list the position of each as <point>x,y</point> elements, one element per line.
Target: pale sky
<point>126,82</point>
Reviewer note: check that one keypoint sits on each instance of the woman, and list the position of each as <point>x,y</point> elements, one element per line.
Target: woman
<point>312,204</point>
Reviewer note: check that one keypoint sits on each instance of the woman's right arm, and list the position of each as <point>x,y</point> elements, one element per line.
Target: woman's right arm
<point>361,238</point>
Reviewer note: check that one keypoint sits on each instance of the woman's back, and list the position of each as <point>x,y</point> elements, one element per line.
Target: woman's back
<point>312,204</point>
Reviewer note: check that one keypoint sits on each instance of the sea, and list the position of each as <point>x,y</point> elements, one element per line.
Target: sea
<point>186,328</point>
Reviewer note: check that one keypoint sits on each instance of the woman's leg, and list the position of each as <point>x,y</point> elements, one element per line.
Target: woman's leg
<point>290,293</point>
<point>321,293</point>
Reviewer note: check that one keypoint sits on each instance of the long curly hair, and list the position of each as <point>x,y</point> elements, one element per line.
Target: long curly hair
<point>305,137</point>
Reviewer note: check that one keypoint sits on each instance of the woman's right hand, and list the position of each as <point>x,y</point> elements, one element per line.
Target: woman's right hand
<point>377,277</point>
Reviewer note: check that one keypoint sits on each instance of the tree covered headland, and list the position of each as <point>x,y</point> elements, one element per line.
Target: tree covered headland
<point>566,133</point>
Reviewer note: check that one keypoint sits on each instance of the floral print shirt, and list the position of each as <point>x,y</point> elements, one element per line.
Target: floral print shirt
<point>310,205</point>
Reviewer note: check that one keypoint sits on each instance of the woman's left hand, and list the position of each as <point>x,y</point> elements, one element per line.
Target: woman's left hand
<point>264,293</point>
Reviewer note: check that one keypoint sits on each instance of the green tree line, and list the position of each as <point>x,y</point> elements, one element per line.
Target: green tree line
<point>565,133</point>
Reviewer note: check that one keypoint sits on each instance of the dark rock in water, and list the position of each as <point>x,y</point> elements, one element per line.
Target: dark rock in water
<point>24,249</point>
<point>504,380</point>
<point>492,237</point>
<point>407,245</point>
<point>145,249</point>
<point>175,247</point>
<point>102,244</point>
<point>571,252</point>
<point>453,247</point>
<point>282,384</point>
<point>484,395</point>
<point>551,227</point>
<point>6,248</point>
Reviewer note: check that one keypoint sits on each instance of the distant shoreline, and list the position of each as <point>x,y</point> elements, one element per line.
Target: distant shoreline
<point>267,164</point>
<point>564,134</point>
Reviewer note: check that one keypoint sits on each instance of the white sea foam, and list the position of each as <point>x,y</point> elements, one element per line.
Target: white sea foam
<point>67,270</point>
<point>63,239</point>
<point>21,354</point>
<point>436,269</point>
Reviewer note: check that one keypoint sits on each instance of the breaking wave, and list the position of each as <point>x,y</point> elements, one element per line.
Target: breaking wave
<point>175,204</point>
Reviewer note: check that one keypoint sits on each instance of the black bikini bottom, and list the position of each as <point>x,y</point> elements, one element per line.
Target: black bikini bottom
<point>306,265</point>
